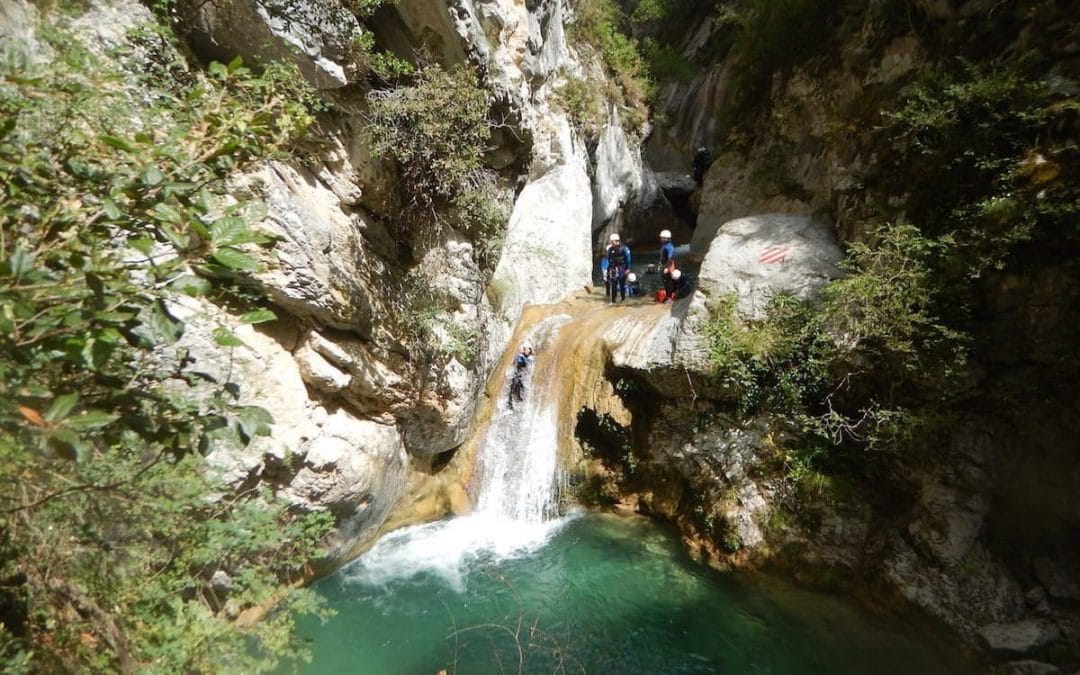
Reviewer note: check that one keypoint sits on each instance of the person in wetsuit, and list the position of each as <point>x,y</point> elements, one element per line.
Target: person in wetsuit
<point>667,260</point>
<point>618,256</point>
<point>517,381</point>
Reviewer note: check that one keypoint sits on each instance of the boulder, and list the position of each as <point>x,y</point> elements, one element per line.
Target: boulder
<point>1020,637</point>
<point>317,35</point>
<point>981,591</point>
<point>675,183</point>
<point>759,257</point>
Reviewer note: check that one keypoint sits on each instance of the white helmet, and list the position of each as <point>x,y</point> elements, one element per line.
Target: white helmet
<point>665,234</point>
<point>614,236</point>
<point>676,274</point>
<point>631,278</point>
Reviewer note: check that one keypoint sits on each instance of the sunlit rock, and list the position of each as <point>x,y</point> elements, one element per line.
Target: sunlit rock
<point>315,34</point>
<point>760,257</point>
<point>319,266</point>
<point>618,176</point>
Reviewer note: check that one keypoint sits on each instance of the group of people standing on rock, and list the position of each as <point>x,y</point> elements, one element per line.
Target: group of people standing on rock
<point>619,281</point>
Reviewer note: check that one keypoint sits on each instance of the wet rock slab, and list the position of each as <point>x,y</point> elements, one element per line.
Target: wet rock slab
<point>1020,637</point>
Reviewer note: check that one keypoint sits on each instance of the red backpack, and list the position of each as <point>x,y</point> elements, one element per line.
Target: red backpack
<point>661,295</point>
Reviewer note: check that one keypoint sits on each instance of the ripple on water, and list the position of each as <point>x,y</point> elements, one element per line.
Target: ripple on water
<point>590,594</point>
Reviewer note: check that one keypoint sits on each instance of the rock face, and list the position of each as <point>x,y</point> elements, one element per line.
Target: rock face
<point>315,34</point>
<point>358,403</point>
<point>757,258</point>
<point>354,405</point>
<point>982,537</point>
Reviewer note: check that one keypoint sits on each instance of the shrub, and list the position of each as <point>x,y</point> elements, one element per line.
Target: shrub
<point>112,526</point>
<point>885,304</point>
<point>600,24</point>
<point>986,161</point>
<point>584,103</point>
<point>776,363</point>
<point>437,129</point>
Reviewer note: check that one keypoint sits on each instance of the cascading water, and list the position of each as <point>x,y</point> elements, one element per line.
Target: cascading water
<point>515,485</point>
<point>514,587</point>
<point>517,463</point>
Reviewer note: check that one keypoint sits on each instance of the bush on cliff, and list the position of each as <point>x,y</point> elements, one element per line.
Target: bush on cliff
<point>119,549</point>
<point>436,129</point>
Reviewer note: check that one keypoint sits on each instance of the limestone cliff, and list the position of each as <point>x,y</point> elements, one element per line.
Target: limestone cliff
<point>360,413</point>
<point>383,413</point>
<point>978,530</point>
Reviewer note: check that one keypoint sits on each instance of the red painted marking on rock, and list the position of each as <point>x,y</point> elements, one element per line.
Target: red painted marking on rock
<point>774,254</point>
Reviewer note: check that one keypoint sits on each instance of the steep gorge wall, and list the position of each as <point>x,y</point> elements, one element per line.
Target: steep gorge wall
<point>977,530</point>
<point>360,417</point>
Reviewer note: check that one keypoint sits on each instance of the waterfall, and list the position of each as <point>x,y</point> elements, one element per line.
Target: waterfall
<point>515,486</point>
<point>517,464</point>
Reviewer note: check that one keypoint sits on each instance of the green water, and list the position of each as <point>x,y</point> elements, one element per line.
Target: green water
<point>600,595</point>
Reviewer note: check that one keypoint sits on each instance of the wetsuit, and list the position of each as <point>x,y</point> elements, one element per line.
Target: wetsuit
<point>667,264</point>
<point>618,264</point>
<point>517,380</point>
<point>681,288</point>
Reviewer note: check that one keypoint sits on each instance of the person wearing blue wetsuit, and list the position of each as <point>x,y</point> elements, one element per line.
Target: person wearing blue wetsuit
<point>517,381</point>
<point>618,256</point>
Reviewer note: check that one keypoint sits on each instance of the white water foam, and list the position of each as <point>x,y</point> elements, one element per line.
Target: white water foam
<point>446,548</point>
<point>517,501</point>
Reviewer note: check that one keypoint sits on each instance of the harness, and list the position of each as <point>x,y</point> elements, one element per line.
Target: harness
<point>617,256</point>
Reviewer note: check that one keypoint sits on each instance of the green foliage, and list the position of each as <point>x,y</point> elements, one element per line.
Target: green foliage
<point>602,437</point>
<point>884,307</point>
<point>423,323</point>
<point>437,130</point>
<point>820,368</point>
<point>775,36</point>
<point>777,362</point>
<point>602,25</point>
<point>584,102</point>
<point>650,10</point>
<point>665,63</point>
<point>987,162</point>
<point>111,201</point>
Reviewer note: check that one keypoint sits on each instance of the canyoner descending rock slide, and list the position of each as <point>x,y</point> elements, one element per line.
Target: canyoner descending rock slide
<point>528,583</point>
<point>520,454</point>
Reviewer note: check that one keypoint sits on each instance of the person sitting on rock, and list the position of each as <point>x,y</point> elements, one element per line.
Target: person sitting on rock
<point>680,285</point>
<point>633,287</point>
<point>618,256</point>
